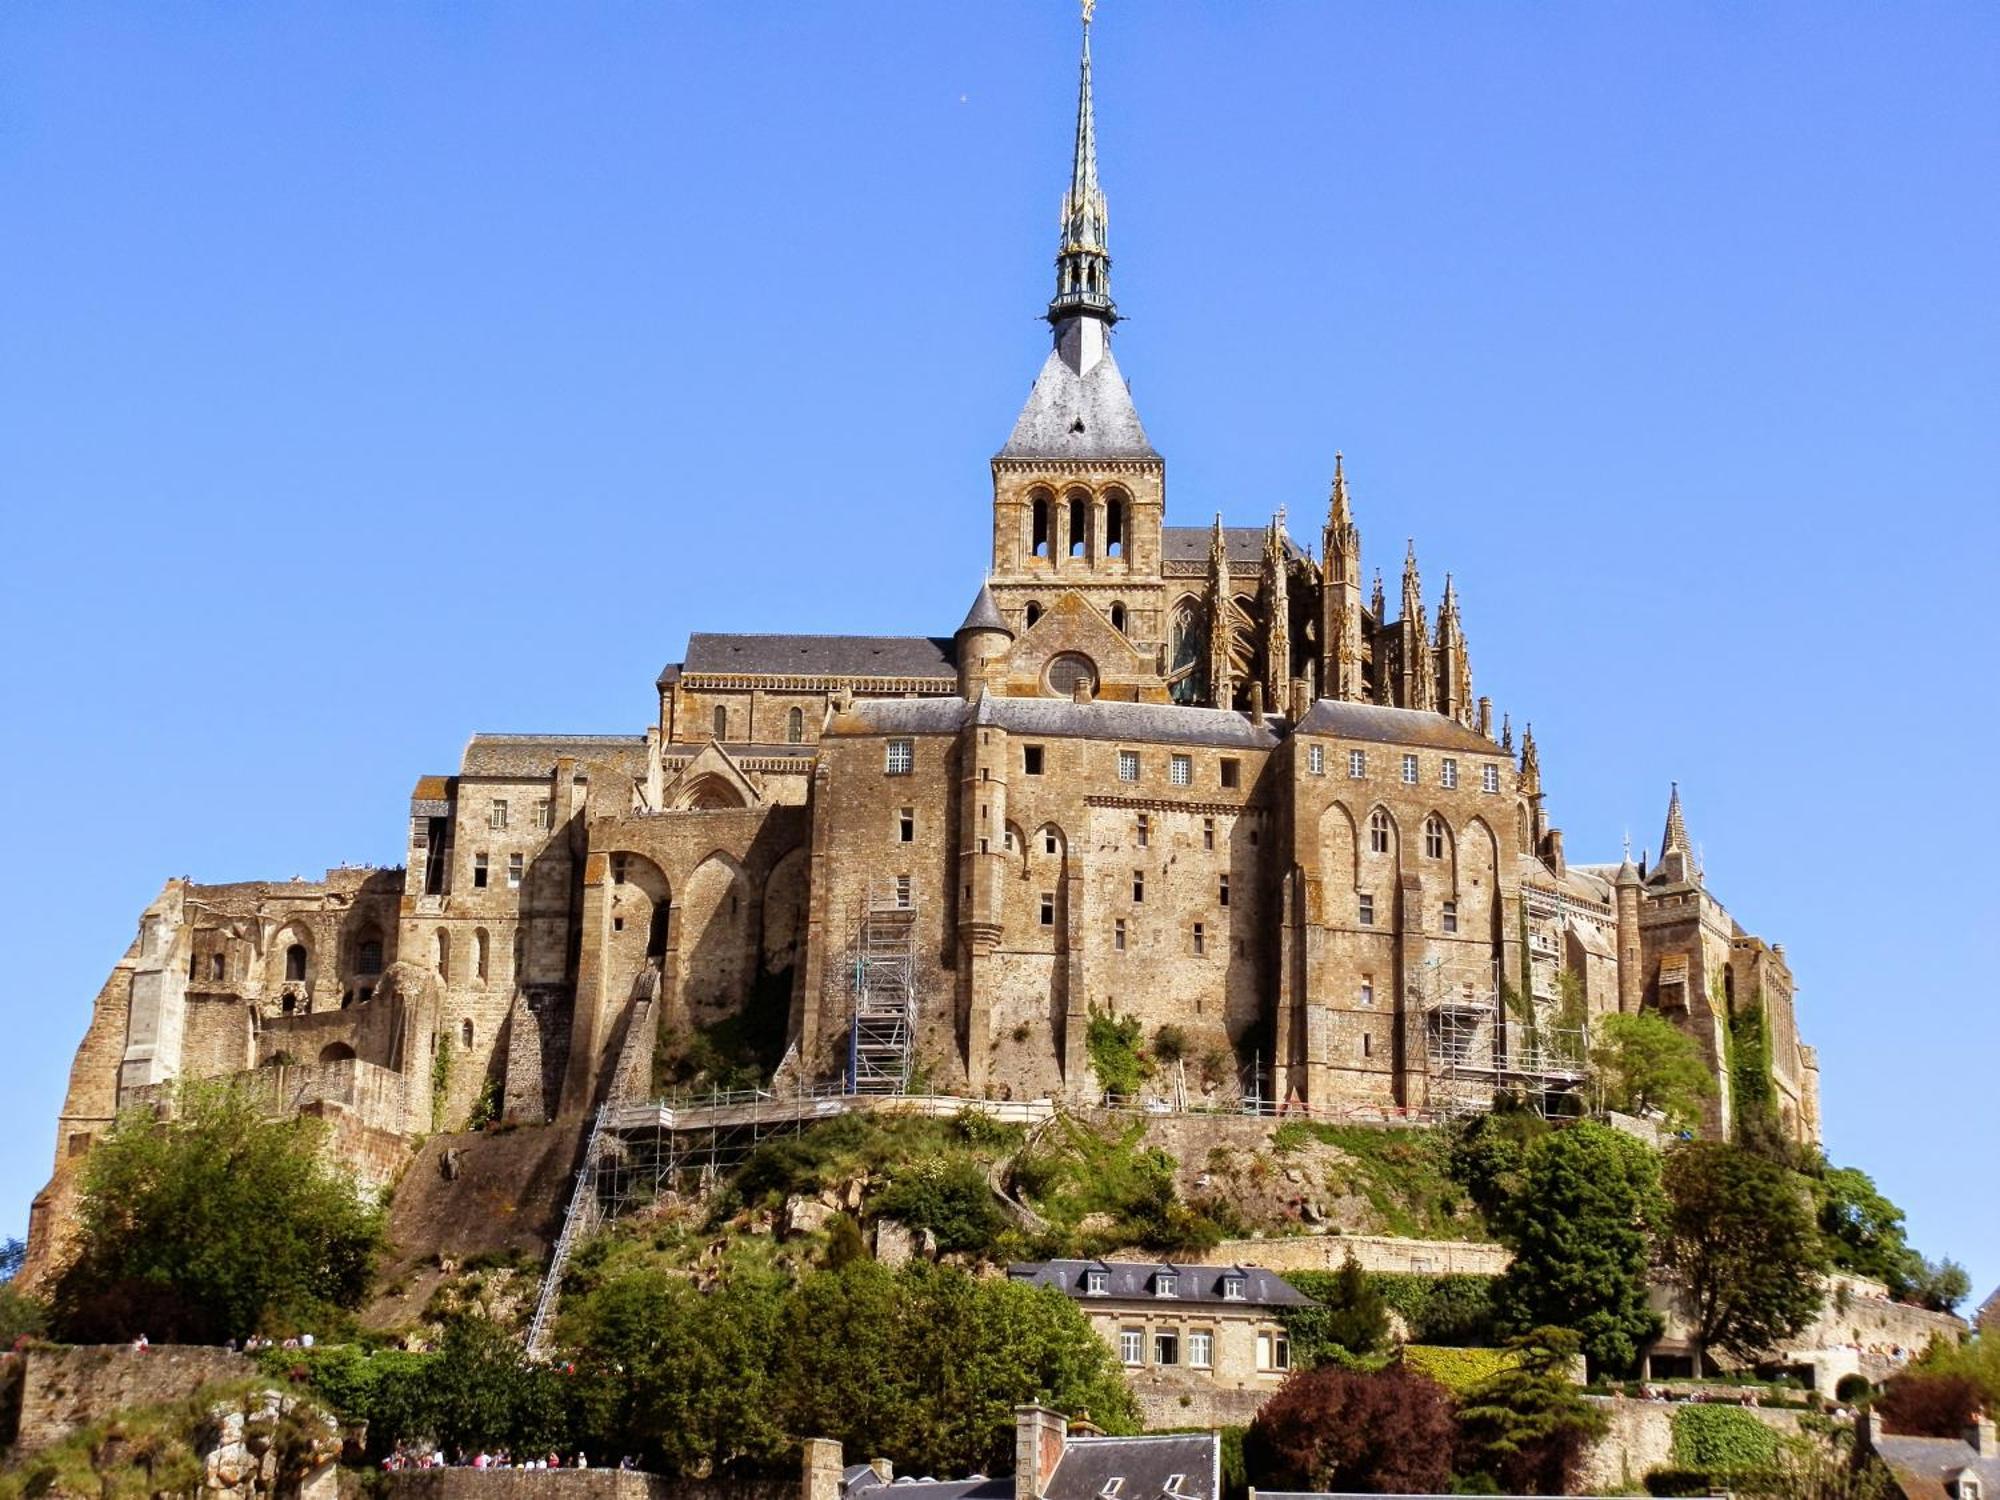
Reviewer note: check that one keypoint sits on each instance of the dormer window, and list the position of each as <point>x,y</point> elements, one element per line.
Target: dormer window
<point>1232,1288</point>
<point>1096,1283</point>
<point>1166,1284</point>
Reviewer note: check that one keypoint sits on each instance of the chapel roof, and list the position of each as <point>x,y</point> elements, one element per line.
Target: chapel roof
<point>1393,726</point>
<point>820,655</point>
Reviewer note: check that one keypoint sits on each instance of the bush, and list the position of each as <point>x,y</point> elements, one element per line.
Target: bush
<point>1457,1370</point>
<point>1722,1440</point>
<point>1920,1404</point>
<point>1387,1431</point>
<point>951,1198</point>
<point>1113,1045</point>
<point>1351,1318</point>
<point>1678,1482</point>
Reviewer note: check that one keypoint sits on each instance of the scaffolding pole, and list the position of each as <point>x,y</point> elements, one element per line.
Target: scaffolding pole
<point>881,1046</point>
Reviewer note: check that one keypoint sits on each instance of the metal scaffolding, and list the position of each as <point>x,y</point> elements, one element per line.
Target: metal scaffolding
<point>1477,1051</point>
<point>881,1044</point>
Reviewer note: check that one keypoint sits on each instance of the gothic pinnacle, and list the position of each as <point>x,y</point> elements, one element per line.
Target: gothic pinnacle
<point>1083,259</point>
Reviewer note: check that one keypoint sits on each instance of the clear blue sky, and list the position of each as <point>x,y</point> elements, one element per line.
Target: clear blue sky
<point>371,374</point>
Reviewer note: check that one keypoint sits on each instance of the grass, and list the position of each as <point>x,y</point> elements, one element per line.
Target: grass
<point>1404,1175</point>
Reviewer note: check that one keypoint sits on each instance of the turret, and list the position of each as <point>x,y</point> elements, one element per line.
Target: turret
<point>983,637</point>
<point>1631,953</point>
<point>1676,864</point>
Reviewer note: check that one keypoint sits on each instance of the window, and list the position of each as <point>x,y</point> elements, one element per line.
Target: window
<point>1489,778</point>
<point>906,826</point>
<point>1357,764</point>
<point>515,865</point>
<point>465,1034</point>
<point>1433,837</point>
<point>1366,996</point>
<point>903,892</point>
<point>1274,1351</point>
<point>1118,934</point>
<point>1166,1347</point>
<point>1378,832</point>
<point>1034,613</point>
<point>1367,910</point>
<point>1451,916</point>
<point>295,961</point>
<point>481,944</point>
<point>1114,537</point>
<point>1166,1284</point>
<point>1138,885</point>
<point>795,727</point>
<point>900,757</point>
<point>1038,542</point>
<point>1448,774</point>
<point>1049,842</point>
<point>443,954</point>
<point>1201,1350</point>
<point>1131,1346</point>
<point>1409,770</point>
<point>1079,526</point>
<point>1048,908</point>
<point>216,964</point>
<point>1180,770</point>
<point>1118,618</point>
<point>617,869</point>
<point>1316,759</point>
<point>1031,760</point>
<point>542,813</point>
<point>1128,765</point>
<point>1200,940</point>
<point>368,956</point>
<point>1222,890</point>
<point>721,722</point>
<point>496,816</point>
<point>1367,1045</point>
<point>1145,830</point>
<point>1232,1289</point>
<point>479,872</point>
<point>1232,773</point>
<point>1096,1283</point>
<point>1208,833</point>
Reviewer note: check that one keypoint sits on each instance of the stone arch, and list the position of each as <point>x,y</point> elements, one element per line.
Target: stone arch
<point>1117,522</point>
<point>482,953</point>
<point>1435,833</point>
<point>1118,615</point>
<point>1523,829</point>
<point>1033,613</point>
<point>289,960</point>
<point>334,1052</point>
<point>1041,538</point>
<point>1076,514</point>
<point>721,725</point>
<point>1339,845</point>
<point>441,954</point>
<point>710,793</point>
<point>1380,821</point>
<point>718,938</point>
<point>638,907</point>
<point>1039,849</point>
<point>1015,847</point>
<point>795,726</point>
<point>1478,879</point>
<point>784,924</point>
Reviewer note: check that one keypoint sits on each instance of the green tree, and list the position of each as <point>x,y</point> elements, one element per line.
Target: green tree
<point>1818,1464</point>
<point>1352,1316</point>
<point>948,1196</point>
<point>476,1391</point>
<point>1528,1427</point>
<point>1115,1055</point>
<point>1862,1230</point>
<point>1644,1062</point>
<point>1740,1244</point>
<point>211,1224</point>
<point>1977,1358</point>
<point>1578,1226</point>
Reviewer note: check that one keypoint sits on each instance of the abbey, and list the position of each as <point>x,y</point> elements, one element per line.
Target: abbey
<point>1196,778</point>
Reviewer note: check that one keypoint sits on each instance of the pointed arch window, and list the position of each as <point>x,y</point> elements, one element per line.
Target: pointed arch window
<point>795,727</point>
<point>1118,618</point>
<point>721,722</point>
<point>1434,837</point>
<point>1378,832</point>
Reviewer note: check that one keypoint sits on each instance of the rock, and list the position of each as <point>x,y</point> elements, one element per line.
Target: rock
<point>1311,1212</point>
<point>927,1244</point>
<point>893,1242</point>
<point>1293,1174</point>
<point>1098,1223</point>
<point>805,1215</point>
<point>850,1196</point>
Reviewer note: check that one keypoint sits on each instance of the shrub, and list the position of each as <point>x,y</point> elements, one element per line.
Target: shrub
<point>1113,1045</point>
<point>1919,1404</point>
<point>951,1198</point>
<point>1387,1431</point>
<point>1721,1440</point>
<point>1457,1370</point>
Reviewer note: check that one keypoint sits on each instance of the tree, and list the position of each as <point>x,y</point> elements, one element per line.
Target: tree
<point>1388,1431</point>
<point>1863,1230</point>
<point>1644,1062</point>
<point>1528,1427</point>
<point>1352,1317</point>
<point>477,1391</point>
<point>1977,1358</point>
<point>1924,1403</point>
<point>1578,1227</point>
<point>1819,1464</point>
<point>1941,1285</point>
<point>1740,1245</point>
<point>213,1223</point>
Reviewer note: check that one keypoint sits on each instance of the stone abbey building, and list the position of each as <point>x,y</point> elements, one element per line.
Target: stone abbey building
<point>1198,776</point>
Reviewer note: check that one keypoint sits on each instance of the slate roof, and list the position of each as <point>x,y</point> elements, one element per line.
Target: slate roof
<point>1060,718</point>
<point>535,755</point>
<point>984,614</point>
<point>1129,1280</point>
<point>1394,726</point>
<point>1244,544</point>
<point>1923,1464</point>
<point>1186,1465</point>
<point>1078,416</point>
<point>822,655</point>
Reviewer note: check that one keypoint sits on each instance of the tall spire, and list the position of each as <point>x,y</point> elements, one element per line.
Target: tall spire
<point>1221,622</point>
<point>1675,839</point>
<point>1083,260</point>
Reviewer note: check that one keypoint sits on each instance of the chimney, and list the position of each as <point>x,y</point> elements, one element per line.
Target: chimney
<point>1081,692</point>
<point>822,1466</point>
<point>1486,717</point>
<point>1257,703</point>
<point>1553,846</point>
<point>1979,1436</point>
<point>1039,1438</point>
<point>1301,699</point>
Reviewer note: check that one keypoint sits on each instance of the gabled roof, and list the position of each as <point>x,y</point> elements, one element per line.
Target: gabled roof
<point>1078,416</point>
<point>1923,1464</point>
<point>1394,726</point>
<point>1136,1279</point>
<point>535,755</point>
<point>1060,718</point>
<point>1244,544</point>
<point>821,655</point>
<point>1186,1465</point>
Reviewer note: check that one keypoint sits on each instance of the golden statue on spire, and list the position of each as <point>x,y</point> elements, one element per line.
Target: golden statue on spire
<point>1089,10</point>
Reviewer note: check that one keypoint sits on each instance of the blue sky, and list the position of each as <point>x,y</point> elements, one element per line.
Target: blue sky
<point>371,374</point>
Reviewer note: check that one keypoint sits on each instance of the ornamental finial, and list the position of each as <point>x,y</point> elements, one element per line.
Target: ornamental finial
<point>1089,10</point>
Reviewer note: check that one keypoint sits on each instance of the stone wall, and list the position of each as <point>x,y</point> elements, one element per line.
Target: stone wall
<point>67,1388</point>
<point>1641,1439</point>
<point>577,1484</point>
<point>1374,1252</point>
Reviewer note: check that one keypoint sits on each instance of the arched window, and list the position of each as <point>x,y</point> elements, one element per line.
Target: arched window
<point>465,1033</point>
<point>1034,613</point>
<point>443,954</point>
<point>480,943</point>
<point>795,727</point>
<point>1114,524</point>
<point>1118,618</point>
<point>1434,837</point>
<point>368,956</point>
<point>721,722</point>
<point>1378,831</point>
<point>1039,543</point>
<point>295,961</point>
<point>1079,526</point>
